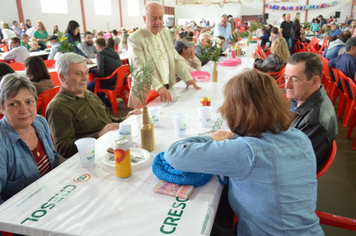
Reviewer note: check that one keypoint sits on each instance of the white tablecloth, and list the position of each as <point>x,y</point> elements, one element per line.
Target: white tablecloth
<point>72,200</point>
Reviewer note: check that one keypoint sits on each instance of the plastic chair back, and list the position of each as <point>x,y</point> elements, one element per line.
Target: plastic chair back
<point>6,233</point>
<point>336,221</point>
<point>49,63</point>
<point>327,164</point>
<point>45,98</point>
<point>55,78</point>
<point>17,66</point>
<point>120,88</point>
<point>4,61</point>
<point>353,118</point>
<point>347,102</point>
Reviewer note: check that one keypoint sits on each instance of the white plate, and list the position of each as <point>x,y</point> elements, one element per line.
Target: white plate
<point>142,154</point>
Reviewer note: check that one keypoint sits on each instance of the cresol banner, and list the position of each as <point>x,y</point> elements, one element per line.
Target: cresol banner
<point>305,7</point>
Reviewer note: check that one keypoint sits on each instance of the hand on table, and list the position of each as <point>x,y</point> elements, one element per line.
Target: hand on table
<point>192,82</point>
<point>108,127</point>
<point>90,61</point>
<point>255,56</point>
<point>165,95</point>
<point>222,135</point>
<point>134,112</point>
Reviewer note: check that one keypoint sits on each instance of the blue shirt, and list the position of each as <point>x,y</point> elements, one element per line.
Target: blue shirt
<point>336,32</point>
<point>75,47</point>
<point>220,30</point>
<point>18,167</point>
<point>272,187</point>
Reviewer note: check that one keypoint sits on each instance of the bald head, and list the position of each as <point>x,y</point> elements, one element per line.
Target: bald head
<point>153,17</point>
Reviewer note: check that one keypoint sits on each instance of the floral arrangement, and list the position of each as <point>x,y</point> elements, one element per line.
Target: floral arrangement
<point>240,34</point>
<point>254,26</point>
<point>142,80</point>
<point>212,52</point>
<point>64,45</point>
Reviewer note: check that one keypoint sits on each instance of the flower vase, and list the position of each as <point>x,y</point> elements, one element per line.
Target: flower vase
<point>215,73</point>
<point>146,131</point>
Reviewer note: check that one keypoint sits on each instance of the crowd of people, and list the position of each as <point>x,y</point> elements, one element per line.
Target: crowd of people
<point>267,134</point>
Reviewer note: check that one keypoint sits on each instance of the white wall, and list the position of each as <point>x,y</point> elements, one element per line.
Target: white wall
<point>212,12</point>
<point>8,13</point>
<point>32,10</point>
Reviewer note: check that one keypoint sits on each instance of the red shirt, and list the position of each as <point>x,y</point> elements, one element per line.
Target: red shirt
<point>41,159</point>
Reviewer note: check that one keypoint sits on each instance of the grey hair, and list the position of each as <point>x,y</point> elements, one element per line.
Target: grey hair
<point>145,9</point>
<point>64,61</point>
<point>202,36</point>
<point>11,84</point>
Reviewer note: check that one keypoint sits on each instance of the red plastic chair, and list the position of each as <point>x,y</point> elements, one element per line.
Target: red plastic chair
<point>4,61</point>
<point>49,63</point>
<point>336,221</point>
<point>279,76</point>
<point>6,48</point>
<point>1,116</point>
<point>6,233</point>
<point>345,102</point>
<point>327,164</point>
<point>55,78</point>
<point>45,98</point>
<point>119,90</point>
<point>17,66</point>
<point>259,51</point>
<point>324,45</point>
<point>353,119</point>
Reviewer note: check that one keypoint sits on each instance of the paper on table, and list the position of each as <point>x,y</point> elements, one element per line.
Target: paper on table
<point>174,190</point>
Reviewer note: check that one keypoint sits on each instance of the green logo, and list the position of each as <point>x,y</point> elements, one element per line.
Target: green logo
<point>93,152</point>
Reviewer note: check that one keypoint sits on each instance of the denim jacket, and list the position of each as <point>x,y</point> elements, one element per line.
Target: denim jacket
<point>273,185</point>
<point>75,47</point>
<point>18,167</point>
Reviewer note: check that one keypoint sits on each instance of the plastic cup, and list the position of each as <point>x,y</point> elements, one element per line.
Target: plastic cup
<point>180,124</point>
<point>204,116</point>
<point>86,149</point>
<point>123,51</point>
<point>233,53</point>
<point>154,112</point>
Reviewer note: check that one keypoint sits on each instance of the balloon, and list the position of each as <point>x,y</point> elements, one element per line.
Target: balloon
<point>291,8</point>
<point>296,8</point>
<point>306,7</point>
<point>301,7</point>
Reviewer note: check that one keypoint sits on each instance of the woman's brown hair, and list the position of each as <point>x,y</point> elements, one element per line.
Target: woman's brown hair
<point>36,69</point>
<point>255,104</point>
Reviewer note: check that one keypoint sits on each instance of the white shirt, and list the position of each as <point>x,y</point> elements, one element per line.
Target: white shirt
<point>30,31</point>
<point>8,34</point>
<point>20,54</point>
<point>162,59</point>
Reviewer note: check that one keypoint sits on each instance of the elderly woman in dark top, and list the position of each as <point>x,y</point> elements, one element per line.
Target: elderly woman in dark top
<point>37,72</point>
<point>26,148</point>
<point>73,35</point>
<point>276,60</point>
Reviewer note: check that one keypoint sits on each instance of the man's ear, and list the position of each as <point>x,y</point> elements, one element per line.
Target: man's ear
<point>316,80</point>
<point>62,78</point>
<point>1,111</point>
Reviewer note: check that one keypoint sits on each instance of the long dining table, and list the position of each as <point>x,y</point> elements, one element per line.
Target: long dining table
<point>72,200</point>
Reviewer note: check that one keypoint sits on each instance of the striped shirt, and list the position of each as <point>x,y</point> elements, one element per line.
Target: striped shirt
<point>41,159</point>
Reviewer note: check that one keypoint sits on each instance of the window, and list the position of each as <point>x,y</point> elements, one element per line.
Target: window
<point>102,7</point>
<point>133,8</point>
<point>54,6</point>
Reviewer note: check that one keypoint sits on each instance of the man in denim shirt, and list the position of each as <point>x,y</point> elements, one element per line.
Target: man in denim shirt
<point>315,114</point>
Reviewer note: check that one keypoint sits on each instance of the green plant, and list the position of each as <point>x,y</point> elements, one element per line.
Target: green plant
<point>64,45</point>
<point>254,26</point>
<point>239,34</point>
<point>142,78</point>
<point>212,52</point>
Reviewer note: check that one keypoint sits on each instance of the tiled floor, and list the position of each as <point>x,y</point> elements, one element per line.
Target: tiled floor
<point>337,187</point>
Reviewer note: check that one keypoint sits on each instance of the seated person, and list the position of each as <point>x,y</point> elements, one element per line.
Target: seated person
<point>53,40</point>
<point>265,37</point>
<point>336,45</point>
<point>5,69</point>
<point>315,26</point>
<point>334,30</point>
<point>24,41</point>
<point>37,72</point>
<point>276,60</point>
<point>35,47</point>
<point>315,114</point>
<point>199,50</point>
<point>26,148</point>
<point>185,49</point>
<point>107,62</point>
<point>260,144</point>
<point>275,34</point>
<point>76,112</point>
<point>18,53</point>
<point>123,44</point>
<point>88,47</point>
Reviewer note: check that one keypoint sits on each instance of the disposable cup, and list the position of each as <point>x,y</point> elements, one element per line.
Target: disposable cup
<point>154,112</point>
<point>233,53</point>
<point>180,124</point>
<point>204,116</point>
<point>86,149</point>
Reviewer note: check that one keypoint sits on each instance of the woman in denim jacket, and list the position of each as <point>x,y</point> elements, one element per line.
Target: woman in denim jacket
<point>271,167</point>
<point>73,35</point>
<point>26,148</point>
